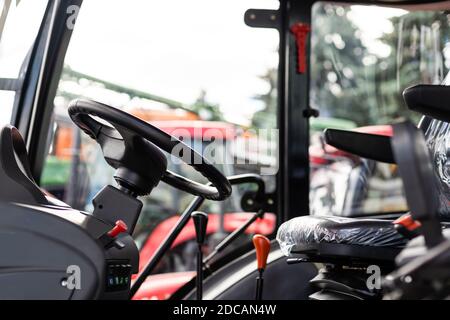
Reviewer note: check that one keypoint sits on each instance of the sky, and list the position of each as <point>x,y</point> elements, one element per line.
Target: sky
<point>177,48</point>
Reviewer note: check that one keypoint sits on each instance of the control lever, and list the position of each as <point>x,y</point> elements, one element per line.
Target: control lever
<point>119,227</point>
<point>185,217</point>
<point>262,246</point>
<point>398,282</point>
<point>110,238</point>
<point>200,223</point>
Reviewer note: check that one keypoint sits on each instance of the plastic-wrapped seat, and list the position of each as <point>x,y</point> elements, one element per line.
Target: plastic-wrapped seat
<point>369,239</point>
<point>365,239</point>
<point>330,236</point>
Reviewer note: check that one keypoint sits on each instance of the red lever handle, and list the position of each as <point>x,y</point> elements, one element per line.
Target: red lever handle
<point>118,229</point>
<point>408,222</point>
<point>262,245</point>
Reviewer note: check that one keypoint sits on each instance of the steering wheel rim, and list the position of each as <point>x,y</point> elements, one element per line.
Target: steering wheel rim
<point>81,111</point>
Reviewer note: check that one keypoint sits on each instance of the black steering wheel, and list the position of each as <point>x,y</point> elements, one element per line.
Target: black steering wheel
<point>132,146</point>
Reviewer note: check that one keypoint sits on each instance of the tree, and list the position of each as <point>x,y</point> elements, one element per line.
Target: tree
<point>417,45</point>
<point>337,66</point>
<point>205,109</point>
<point>266,117</point>
<point>350,80</point>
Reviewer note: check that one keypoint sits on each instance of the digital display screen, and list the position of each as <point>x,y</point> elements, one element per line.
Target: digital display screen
<point>118,275</point>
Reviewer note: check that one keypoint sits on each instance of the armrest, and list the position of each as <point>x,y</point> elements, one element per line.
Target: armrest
<point>365,145</point>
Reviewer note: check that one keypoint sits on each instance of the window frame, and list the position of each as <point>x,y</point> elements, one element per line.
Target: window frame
<point>35,107</point>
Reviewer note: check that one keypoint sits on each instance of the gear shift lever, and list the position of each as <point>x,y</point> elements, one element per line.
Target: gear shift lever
<point>200,223</point>
<point>262,246</point>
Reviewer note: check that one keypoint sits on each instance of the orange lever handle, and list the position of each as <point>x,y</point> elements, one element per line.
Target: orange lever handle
<point>262,246</point>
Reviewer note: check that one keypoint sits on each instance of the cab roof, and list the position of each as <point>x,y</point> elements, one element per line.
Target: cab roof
<point>390,2</point>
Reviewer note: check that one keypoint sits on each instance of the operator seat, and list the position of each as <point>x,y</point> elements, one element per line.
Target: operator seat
<point>353,239</point>
<point>341,238</point>
<point>342,243</point>
<point>344,249</point>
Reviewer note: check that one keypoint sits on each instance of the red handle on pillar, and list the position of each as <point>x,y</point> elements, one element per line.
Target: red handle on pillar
<point>301,31</point>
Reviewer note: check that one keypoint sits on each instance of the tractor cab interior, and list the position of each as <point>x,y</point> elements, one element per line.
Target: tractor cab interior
<point>279,151</point>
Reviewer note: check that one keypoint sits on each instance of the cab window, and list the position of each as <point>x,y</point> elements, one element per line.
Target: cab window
<point>19,25</point>
<point>195,73</point>
<point>362,59</point>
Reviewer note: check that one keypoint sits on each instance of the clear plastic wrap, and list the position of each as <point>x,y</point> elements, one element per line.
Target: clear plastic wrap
<point>307,230</point>
<point>438,139</point>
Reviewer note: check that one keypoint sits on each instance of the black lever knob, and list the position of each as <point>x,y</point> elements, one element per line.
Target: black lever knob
<point>200,223</point>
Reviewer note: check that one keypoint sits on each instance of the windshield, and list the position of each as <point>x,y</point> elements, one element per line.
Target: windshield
<point>201,74</point>
<point>362,59</point>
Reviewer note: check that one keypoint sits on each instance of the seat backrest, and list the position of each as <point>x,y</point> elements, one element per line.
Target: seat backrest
<point>419,182</point>
<point>17,183</point>
<point>415,167</point>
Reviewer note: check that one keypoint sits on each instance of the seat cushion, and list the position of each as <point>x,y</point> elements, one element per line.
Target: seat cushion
<point>311,230</point>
